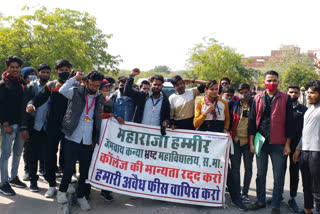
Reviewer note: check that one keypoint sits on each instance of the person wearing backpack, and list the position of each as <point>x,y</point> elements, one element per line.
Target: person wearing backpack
<point>57,108</point>
<point>33,126</point>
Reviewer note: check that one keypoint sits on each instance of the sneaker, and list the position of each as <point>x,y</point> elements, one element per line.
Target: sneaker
<point>58,175</point>
<point>293,206</point>
<point>50,193</point>
<point>245,198</point>
<point>7,190</point>
<point>275,211</point>
<point>74,178</point>
<point>17,183</point>
<point>62,197</point>
<point>238,203</point>
<point>256,205</point>
<point>34,187</point>
<point>41,172</point>
<point>26,176</point>
<point>84,205</point>
<point>106,195</point>
<point>71,189</point>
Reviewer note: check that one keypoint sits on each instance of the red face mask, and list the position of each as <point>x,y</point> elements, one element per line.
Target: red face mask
<point>271,87</point>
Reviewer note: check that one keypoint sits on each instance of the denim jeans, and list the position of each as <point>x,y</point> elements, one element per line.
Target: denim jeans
<point>277,158</point>
<point>10,143</point>
<point>240,151</point>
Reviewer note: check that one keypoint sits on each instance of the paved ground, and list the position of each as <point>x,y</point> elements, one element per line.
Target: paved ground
<point>26,202</point>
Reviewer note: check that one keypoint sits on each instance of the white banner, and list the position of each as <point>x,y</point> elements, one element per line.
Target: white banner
<point>184,166</point>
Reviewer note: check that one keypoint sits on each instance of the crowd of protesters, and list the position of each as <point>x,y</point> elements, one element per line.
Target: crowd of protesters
<point>38,116</point>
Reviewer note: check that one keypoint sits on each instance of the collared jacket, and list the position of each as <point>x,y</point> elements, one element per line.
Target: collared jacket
<point>11,102</point>
<point>140,98</point>
<point>237,109</point>
<point>281,118</point>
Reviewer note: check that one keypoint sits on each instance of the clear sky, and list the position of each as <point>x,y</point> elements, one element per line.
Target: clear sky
<point>147,33</point>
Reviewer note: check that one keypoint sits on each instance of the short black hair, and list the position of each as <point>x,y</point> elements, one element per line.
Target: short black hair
<point>43,66</point>
<point>211,83</point>
<point>84,77</point>
<point>110,79</point>
<point>11,59</point>
<point>293,86</point>
<point>95,76</point>
<point>157,77</point>
<point>271,72</point>
<point>74,72</point>
<point>176,79</point>
<point>144,82</point>
<point>227,89</point>
<point>63,63</point>
<point>122,79</point>
<point>244,86</point>
<point>226,78</point>
<point>314,85</point>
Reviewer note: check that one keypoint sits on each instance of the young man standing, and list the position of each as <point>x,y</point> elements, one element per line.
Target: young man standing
<point>271,116</point>
<point>308,150</point>
<point>57,109</point>
<point>81,126</point>
<point>298,112</point>
<point>34,125</point>
<point>28,74</point>
<point>183,101</point>
<point>11,110</point>
<point>123,105</point>
<point>239,134</point>
<point>151,110</point>
<point>145,86</point>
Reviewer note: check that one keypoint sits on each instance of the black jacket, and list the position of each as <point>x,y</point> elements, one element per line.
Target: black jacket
<point>30,91</point>
<point>298,113</point>
<point>57,105</point>
<point>11,102</point>
<point>140,98</point>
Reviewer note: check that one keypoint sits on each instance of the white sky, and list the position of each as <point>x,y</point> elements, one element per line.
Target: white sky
<point>147,33</point>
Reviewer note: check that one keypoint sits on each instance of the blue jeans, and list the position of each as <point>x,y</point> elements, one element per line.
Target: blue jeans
<point>277,158</point>
<point>10,142</point>
<point>240,151</point>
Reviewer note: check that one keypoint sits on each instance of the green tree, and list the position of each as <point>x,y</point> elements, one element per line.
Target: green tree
<point>211,60</point>
<point>161,69</point>
<point>298,75</point>
<point>288,56</point>
<point>47,36</point>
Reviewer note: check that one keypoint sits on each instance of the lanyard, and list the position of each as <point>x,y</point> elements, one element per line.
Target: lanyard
<point>154,104</point>
<point>88,109</point>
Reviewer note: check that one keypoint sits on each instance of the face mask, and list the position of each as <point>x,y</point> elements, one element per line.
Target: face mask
<point>181,90</point>
<point>227,99</point>
<point>32,78</point>
<point>294,99</point>
<point>64,76</point>
<point>271,87</point>
<point>245,96</point>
